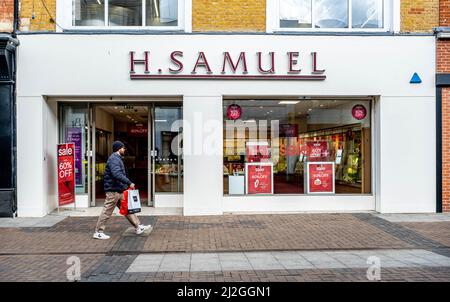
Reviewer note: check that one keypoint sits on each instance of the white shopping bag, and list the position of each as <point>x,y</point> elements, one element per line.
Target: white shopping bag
<point>134,202</point>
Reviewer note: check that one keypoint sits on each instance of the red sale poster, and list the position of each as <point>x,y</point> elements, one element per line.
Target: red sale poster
<point>66,174</point>
<point>317,150</point>
<point>259,178</point>
<point>321,177</point>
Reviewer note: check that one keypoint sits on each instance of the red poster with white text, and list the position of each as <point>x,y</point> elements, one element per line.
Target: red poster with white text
<point>317,150</point>
<point>259,179</point>
<point>66,174</point>
<point>321,177</point>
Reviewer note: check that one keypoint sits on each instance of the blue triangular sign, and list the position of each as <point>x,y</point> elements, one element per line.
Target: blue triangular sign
<point>415,79</point>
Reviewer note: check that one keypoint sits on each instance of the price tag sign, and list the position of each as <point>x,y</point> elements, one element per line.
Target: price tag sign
<point>66,174</point>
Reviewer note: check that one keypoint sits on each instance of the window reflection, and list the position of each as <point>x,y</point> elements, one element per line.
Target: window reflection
<point>89,13</point>
<point>125,12</point>
<point>295,13</point>
<point>162,12</point>
<point>367,14</point>
<point>331,13</point>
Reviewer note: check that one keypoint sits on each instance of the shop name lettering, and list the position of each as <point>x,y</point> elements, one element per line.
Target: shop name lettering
<point>230,67</point>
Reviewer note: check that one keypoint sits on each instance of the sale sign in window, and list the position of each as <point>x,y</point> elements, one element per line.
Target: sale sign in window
<point>320,177</point>
<point>317,150</point>
<point>66,174</point>
<point>259,178</point>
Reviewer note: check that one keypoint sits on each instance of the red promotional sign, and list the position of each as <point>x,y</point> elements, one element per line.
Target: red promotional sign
<point>259,178</point>
<point>138,130</point>
<point>66,174</point>
<point>234,112</point>
<point>321,177</point>
<point>359,112</point>
<point>317,150</point>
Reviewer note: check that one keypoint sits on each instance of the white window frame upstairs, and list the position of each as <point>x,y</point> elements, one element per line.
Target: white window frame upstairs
<point>391,20</point>
<point>64,19</point>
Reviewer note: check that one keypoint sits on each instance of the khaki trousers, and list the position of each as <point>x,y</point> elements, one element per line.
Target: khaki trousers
<point>110,202</point>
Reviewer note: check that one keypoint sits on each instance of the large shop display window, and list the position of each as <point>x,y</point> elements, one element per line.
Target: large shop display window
<point>297,147</point>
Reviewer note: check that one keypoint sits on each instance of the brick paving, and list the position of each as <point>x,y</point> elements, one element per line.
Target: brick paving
<point>437,231</point>
<point>28,268</point>
<point>311,275</point>
<point>40,253</point>
<point>268,232</point>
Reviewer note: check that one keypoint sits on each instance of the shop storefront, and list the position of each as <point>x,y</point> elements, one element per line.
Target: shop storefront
<point>233,123</point>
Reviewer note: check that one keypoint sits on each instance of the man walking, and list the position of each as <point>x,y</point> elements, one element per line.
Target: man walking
<point>115,182</point>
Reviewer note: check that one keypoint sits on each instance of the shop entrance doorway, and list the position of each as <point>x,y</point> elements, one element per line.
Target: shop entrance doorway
<point>152,135</point>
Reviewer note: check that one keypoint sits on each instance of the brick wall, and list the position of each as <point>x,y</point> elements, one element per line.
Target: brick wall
<point>34,16</point>
<point>444,13</point>
<point>446,150</point>
<point>229,15</point>
<point>443,66</point>
<point>6,15</point>
<point>443,56</point>
<point>419,15</point>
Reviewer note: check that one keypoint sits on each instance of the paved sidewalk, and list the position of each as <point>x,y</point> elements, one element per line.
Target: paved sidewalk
<point>291,247</point>
<point>289,260</point>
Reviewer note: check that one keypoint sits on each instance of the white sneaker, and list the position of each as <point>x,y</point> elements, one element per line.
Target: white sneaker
<point>142,228</point>
<point>101,236</point>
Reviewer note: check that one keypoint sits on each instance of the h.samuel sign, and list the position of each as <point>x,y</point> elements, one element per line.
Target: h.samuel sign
<point>240,66</point>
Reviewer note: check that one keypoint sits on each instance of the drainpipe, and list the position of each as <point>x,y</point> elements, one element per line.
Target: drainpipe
<point>16,19</point>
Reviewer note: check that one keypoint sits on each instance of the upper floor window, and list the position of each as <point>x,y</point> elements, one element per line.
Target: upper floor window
<point>332,14</point>
<point>157,14</point>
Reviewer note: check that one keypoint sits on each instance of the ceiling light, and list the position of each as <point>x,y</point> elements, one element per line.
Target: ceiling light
<point>161,121</point>
<point>121,111</point>
<point>288,102</point>
<point>309,109</point>
<point>116,108</point>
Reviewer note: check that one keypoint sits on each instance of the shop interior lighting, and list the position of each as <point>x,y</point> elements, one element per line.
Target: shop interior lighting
<point>161,121</point>
<point>99,2</point>
<point>288,102</point>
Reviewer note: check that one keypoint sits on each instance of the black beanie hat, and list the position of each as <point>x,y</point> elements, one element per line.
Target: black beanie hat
<point>117,145</point>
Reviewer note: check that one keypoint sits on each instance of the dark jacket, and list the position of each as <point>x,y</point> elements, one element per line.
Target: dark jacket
<point>115,179</point>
